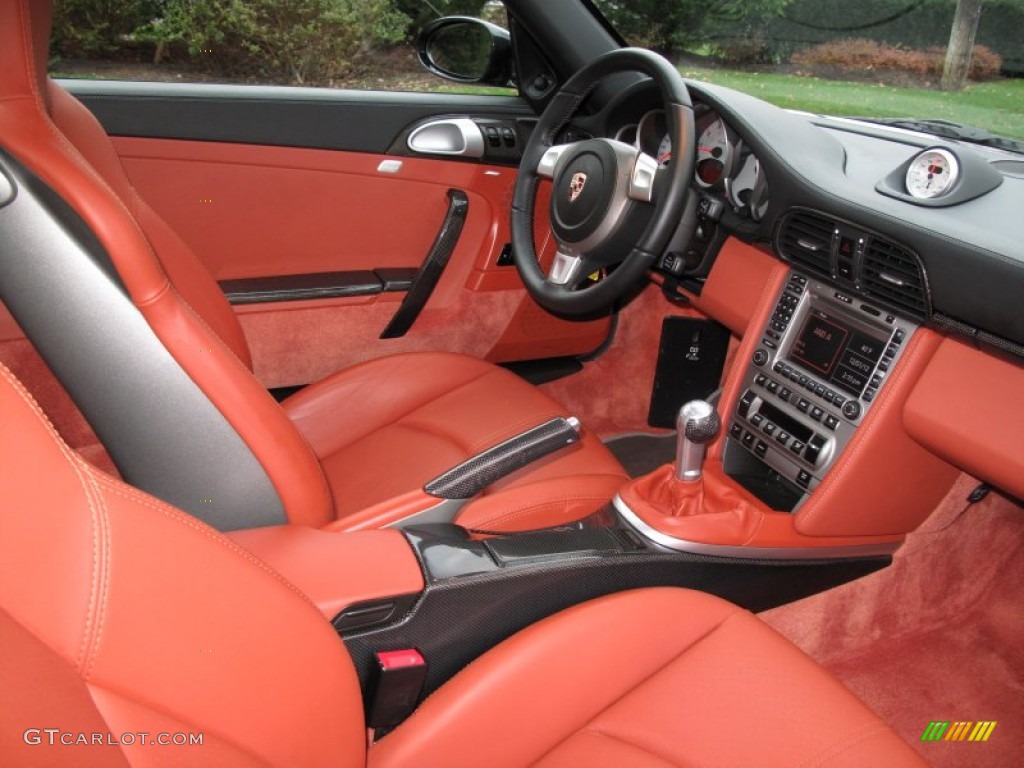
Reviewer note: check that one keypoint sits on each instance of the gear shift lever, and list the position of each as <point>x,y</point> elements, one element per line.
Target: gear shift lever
<point>697,425</point>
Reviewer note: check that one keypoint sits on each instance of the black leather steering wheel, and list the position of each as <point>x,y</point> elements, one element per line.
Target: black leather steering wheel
<point>611,204</point>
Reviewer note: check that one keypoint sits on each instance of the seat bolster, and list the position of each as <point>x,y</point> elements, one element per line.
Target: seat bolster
<point>387,426</point>
<point>158,610</point>
<point>652,677</point>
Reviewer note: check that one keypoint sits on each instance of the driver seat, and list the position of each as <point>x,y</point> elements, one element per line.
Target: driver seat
<point>361,437</point>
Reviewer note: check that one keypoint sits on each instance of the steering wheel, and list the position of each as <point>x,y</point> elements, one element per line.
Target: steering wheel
<point>611,204</point>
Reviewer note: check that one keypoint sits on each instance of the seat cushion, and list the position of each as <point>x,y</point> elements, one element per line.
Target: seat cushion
<point>386,427</point>
<point>655,677</point>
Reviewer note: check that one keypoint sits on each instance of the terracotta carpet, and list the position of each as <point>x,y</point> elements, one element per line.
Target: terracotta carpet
<point>939,635</point>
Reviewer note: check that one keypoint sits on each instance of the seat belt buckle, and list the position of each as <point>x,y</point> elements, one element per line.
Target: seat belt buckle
<point>399,682</point>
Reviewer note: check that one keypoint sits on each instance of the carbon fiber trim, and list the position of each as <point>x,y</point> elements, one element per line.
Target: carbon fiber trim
<point>433,266</point>
<point>319,285</point>
<point>477,606</point>
<point>977,337</point>
<point>473,475</point>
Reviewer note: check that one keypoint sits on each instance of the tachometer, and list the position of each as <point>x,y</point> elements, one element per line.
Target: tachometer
<point>714,153</point>
<point>932,174</point>
<point>664,151</point>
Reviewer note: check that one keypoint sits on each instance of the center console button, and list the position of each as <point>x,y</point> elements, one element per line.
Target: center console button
<point>772,386</point>
<point>817,414</point>
<point>760,379</point>
<point>768,428</point>
<point>760,358</point>
<point>785,393</point>
<point>819,390</point>
<point>797,447</point>
<point>748,439</point>
<point>831,422</point>
<point>851,409</point>
<point>757,419</point>
<point>803,404</point>
<point>778,367</point>
<point>735,430</point>
<point>745,402</point>
<point>814,447</point>
<point>803,478</point>
<point>782,437</point>
<point>761,449</point>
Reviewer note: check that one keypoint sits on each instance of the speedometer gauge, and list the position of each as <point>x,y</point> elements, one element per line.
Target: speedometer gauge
<point>714,152</point>
<point>932,174</point>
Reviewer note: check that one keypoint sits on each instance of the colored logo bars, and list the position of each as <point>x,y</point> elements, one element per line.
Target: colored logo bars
<point>959,731</point>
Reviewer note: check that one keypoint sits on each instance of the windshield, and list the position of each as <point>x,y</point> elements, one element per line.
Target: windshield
<point>872,59</point>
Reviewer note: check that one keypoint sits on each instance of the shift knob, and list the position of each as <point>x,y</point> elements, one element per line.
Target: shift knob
<point>697,425</point>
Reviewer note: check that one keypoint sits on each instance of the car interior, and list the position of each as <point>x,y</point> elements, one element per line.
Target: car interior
<point>629,420</point>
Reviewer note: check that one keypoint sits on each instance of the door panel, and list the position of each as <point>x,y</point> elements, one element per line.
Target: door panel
<point>285,208</point>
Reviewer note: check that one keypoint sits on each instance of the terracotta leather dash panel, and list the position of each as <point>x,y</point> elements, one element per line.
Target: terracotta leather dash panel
<point>965,408</point>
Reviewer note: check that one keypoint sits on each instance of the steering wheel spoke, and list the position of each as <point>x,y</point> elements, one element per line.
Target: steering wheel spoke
<point>566,270</point>
<point>548,161</point>
<point>641,182</point>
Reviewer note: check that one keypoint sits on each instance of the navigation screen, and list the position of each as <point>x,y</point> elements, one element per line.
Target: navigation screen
<point>840,354</point>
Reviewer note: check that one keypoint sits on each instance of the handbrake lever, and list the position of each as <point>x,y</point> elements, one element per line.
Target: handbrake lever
<point>466,480</point>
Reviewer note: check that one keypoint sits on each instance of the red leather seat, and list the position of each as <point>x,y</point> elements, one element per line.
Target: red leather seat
<point>106,627</point>
<point>346,443</point>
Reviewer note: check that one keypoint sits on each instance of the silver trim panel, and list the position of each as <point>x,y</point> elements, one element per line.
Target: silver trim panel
<point>457,136</point>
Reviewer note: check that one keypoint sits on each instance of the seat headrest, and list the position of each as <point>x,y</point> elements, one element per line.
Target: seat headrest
<point>24,48</point>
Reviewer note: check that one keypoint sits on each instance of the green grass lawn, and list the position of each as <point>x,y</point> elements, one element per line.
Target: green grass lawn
<point>997,106</point>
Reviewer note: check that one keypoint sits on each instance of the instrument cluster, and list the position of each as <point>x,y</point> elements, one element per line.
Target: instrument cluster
<point>724,164</point>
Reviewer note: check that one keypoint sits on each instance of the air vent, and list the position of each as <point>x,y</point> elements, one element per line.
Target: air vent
<point>892,274</point>
<point>806,239</point>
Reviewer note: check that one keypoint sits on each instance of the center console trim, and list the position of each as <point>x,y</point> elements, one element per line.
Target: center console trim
<point>744,552</point>
<point>778,381</point>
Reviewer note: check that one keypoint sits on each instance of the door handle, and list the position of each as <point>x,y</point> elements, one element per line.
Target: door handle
<point>454,136</point>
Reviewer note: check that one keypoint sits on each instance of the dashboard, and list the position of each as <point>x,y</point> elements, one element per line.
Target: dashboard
<point>926,227</point>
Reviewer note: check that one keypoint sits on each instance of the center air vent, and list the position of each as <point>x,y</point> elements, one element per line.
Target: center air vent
<point>806,239</point>
<point>892,274</point>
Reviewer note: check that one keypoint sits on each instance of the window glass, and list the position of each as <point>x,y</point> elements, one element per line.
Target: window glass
<point>872,58</point>
<point>362,44</point>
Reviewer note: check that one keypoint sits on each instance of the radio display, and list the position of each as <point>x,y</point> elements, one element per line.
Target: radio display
<point>836,351</point>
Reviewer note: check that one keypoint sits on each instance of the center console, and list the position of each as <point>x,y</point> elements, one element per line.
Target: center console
<point>823,356</point>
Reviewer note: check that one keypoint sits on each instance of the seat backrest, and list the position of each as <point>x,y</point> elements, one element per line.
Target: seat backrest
<point>128,318</point>
<point>107,626</point>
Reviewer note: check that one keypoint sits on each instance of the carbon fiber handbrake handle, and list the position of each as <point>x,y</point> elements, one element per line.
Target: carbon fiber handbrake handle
<point>467,479</point>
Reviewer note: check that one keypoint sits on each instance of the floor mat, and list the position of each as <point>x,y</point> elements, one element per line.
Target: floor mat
<point>640,454</point>
<point>936,636</point>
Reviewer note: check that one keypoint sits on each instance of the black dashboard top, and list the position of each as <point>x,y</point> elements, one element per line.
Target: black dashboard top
<point>838,207</point>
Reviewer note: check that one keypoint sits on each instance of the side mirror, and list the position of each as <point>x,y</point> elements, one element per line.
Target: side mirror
<point>467,50</point>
